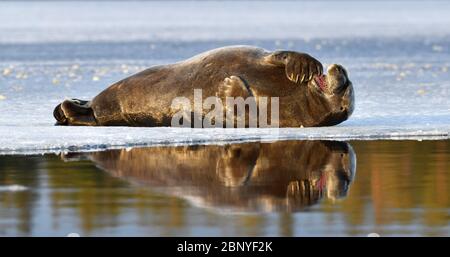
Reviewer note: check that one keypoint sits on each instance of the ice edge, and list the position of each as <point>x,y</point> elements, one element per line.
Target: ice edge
<point>179,142</point>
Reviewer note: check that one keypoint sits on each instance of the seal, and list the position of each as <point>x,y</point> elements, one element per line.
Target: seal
<point>244,177</point>
<point>306,96</point>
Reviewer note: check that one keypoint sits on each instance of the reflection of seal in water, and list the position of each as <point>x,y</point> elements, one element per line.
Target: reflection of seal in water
<point>306,97</point>
<point>285,175</point>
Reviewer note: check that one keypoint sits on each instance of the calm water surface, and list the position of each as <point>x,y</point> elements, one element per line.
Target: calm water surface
<point>290,188</point>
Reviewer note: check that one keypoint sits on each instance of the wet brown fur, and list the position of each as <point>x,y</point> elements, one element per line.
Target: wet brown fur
<point>144,99</point>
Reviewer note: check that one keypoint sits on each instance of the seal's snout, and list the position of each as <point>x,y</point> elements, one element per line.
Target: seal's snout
<point>334,82</point>
<point>337,78</point>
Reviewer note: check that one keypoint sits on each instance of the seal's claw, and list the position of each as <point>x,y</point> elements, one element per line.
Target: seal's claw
<point>291,77</point>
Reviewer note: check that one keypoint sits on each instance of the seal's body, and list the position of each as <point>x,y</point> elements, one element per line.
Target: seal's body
<point>306,97</point>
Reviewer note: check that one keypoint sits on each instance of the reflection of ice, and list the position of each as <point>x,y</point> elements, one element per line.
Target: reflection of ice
<point>12,188</point>
<point>401,79</point>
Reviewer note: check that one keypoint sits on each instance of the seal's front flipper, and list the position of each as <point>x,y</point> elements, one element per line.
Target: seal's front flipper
<point>299,67</point>
<point>74,112</point>
<point>234,86</point>
<point>236,165</point>
<point>239,101</point>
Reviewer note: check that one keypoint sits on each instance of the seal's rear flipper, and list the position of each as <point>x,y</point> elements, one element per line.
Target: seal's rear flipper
<point>74,112</point>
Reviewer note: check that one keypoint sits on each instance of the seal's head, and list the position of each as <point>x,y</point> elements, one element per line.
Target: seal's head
<point>340,170</point>
<point>336,88</point>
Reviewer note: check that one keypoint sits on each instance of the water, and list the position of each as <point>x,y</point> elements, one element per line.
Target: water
<point>288,188</point>
<point>397,54</point>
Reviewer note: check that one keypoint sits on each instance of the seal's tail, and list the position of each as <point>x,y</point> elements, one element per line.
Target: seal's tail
<point>74,112</point>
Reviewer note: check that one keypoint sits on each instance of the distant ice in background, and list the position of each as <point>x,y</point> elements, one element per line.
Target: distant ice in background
<point>119,21</point>
<point>397,54</point>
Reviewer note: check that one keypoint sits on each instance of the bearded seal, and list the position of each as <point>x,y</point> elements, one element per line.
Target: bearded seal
<point>245,177</point>
<point>306,96</point>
